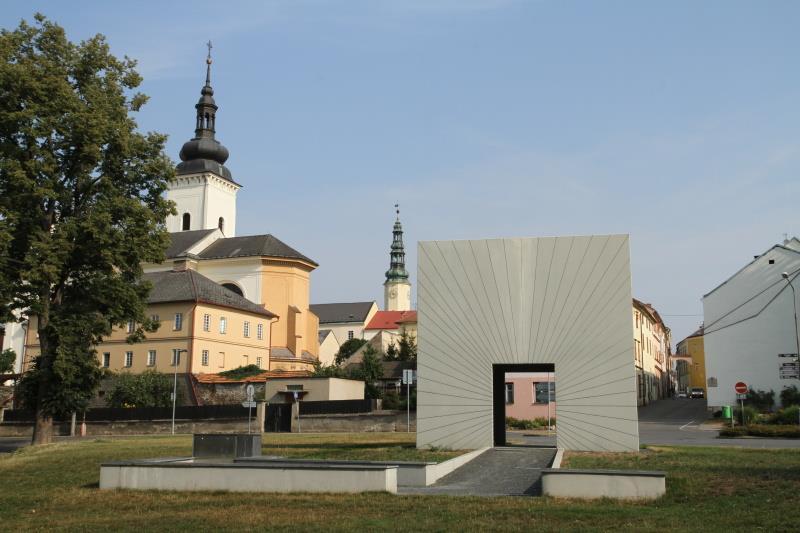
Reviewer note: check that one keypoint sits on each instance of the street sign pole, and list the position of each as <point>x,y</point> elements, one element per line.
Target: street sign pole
<point>250,392</point>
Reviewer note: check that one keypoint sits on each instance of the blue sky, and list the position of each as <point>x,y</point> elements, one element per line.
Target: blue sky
<point>676,122</point>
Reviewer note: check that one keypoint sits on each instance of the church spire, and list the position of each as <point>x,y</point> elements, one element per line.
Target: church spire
<point>397,255</point>
<point>203,153</point>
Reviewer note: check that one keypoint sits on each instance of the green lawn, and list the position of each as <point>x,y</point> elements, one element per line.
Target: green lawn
<point>708,489</point>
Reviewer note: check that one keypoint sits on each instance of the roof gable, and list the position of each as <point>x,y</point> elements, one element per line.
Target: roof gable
<point>391,319</point>
<point>252,245</point>
<point>183,242</point>
<point>342,312</point>
<point>188,285</point>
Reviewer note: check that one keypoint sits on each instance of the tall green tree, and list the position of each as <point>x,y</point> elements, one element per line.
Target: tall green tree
<point>347,349</point>
<point>370,370</point>
<point>404,350</point>
<point>81,206</point>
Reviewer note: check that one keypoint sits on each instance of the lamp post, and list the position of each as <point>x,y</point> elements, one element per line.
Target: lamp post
<point>176,354</point>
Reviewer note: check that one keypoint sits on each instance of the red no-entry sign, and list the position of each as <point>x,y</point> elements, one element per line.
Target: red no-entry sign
<point>740,387</point>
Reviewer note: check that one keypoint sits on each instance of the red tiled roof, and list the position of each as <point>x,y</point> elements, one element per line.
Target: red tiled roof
<point>391,319</point>
<point>272,374</point>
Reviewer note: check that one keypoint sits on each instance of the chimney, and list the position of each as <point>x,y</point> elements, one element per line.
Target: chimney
<point>183,264</point>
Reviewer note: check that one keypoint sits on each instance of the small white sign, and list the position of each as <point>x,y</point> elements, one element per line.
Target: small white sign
<point>408,377</point>
<point>250,392</point>
<point>248,404</point>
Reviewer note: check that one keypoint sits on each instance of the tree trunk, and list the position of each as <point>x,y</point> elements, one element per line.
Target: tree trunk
<point>43,429</point>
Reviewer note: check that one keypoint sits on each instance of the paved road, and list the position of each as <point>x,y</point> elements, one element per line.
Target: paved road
<point>507,471</point>
<point>681,422</point>
<point>9,444</point>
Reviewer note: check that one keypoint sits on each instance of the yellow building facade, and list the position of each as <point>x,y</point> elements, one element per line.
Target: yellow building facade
<point>206,329</point>
<point>692,349</point>
<point>652,347</point>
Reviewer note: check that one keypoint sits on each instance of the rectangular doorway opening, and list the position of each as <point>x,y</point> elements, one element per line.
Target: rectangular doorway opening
<point>526,393</point>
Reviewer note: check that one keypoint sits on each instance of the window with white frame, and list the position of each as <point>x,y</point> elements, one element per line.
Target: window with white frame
<point>154,318</point>
<point>206,322</point>
<point>106,360</point>
<point>128,359</point>
<point>204,358</point>
<point>223,324</point>
<point>350,335</point>
<point>246,328</point>
<point>258,362</point>
<point>176,356</point>
<point>260,331</point>
<point>130,326</point>
<point>151,358</point>
<point>509,393</point>
<point>178,324</point>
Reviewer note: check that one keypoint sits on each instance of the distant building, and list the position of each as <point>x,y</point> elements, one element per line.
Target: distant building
<point>749,321</point>
<point>691,362</point>
<point>328,347</point>
<point>346,320</point>
<point>652,348</point>
<point>530,395</point>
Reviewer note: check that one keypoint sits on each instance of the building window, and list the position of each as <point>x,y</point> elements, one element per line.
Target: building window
<point>350,335</point>
<point>151,358</point>
<point>260,331</point>
<point>540,392</point>
<point>223,324</point>
<point>222,359</point>
<point>246,328</point>
<point>154,319</point>
<point>509,393</point>
<point>106,360</point>
<point>206,322</point>
<point>128,359</point>
<point>294,387</point>
<point>130,326</point>
<point>204,359</point>
<point>178,324</point>
<point>187,220</point>
<point>176,357</point>
<point>258,362</point>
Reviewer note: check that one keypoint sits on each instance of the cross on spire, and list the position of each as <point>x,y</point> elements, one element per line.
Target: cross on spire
<point>208,64</point>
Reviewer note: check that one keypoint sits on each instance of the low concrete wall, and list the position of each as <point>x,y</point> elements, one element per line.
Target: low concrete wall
<point>592,484</point>
<point>237,477</point>
<point>137,427</point>
<point>376,421</point>
<point>409,474</point>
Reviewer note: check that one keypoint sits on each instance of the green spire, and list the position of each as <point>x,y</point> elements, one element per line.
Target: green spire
<point>397,255</point>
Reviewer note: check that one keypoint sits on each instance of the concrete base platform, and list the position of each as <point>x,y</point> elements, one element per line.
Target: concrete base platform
<point>591,484</point>
<point>192,475</point>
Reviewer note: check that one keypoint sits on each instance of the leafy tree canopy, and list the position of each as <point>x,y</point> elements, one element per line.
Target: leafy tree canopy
<point>404,350</point>
<point>242,372</point>
<point>81,206</point>
<point>370,370</point>
<point>347,349</point>
<point>328,371</point>
<point>148,389</point>
<point>7,358</point>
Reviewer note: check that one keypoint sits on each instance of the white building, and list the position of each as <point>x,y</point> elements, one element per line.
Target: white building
<point>749,321</point>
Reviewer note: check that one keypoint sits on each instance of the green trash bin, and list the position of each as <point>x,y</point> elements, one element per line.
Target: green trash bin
<point>726,411</point>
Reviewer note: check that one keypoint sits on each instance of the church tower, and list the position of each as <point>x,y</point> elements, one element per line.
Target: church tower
<point>203,189</point>
<point>397,288</point>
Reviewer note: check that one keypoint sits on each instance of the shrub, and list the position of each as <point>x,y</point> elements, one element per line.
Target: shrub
<point>785,417</point>
<point>536,423</point>
<point>761,400</point>
<point>750,415</point>
<point>790,396</point>
<point>391,400</point>
<point>242,372</point>
<point>148,389</point>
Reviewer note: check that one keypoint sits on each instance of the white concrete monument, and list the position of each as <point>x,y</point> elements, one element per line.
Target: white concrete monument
<point>487,307</point>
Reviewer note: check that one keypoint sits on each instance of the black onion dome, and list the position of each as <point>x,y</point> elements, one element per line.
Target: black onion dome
<point>204,153</point>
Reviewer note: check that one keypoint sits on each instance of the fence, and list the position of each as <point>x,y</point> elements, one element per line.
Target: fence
<point>201,412</point>
<point>330,407</point>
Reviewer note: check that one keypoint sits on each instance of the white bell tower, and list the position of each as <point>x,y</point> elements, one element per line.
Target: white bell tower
<point>203,189</point>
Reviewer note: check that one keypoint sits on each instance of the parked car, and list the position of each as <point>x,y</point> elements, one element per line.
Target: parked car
<point>682,394</point>
<point>697,392</point>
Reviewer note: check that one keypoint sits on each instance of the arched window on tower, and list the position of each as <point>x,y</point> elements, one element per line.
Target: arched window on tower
<point>208,121</point>
<point>187,221</point>
<point>221,224</point>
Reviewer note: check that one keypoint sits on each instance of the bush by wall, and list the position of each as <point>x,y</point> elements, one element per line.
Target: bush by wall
<point>761,400</point>
<point>515,423</point>
<point>761,430</point>
<point>790,396</point>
